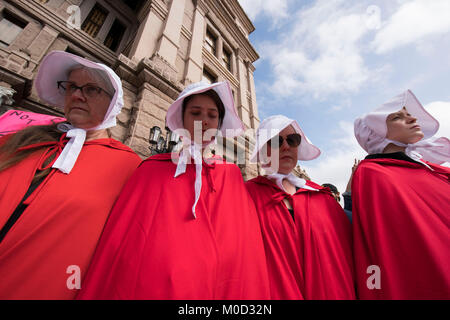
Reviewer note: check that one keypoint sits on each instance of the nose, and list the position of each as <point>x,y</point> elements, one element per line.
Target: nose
<point>205,121</point>
<point>78,94</point>
<point>411,119</point>
<point>284,145</point>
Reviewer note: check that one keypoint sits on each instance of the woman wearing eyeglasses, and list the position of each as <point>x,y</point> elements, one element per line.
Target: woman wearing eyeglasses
<point>306,234</point>
<point>58,183</point>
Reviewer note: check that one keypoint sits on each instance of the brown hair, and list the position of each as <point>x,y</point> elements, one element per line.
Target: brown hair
<point>9,154</point>
<point>215,97</point>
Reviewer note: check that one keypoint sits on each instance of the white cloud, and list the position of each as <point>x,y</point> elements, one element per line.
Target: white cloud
<point>321,56</point>
<point>335,166</point>
<point>412,22</point>
<point>276,10</point>
<point>441,111</point>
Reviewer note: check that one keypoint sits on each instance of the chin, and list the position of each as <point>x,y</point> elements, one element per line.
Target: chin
<point>417,137</point>
<point>286,169</point>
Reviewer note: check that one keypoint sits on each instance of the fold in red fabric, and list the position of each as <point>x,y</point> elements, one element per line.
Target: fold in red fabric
<point>310,256</point>
<point>153,247</point>
<point>63,220</point>
<point>401,224</point>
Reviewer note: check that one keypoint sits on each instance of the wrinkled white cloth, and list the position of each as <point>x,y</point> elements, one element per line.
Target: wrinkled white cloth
<point>194,151</point>
<point>371,130</point>
<point>231,126</point>
<point>296,181</point>
<point>68,157</point>
<point>436,150</point>
<point>55,67</point>
<point>271,127</point>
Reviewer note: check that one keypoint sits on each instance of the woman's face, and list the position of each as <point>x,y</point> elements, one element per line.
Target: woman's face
<point>201,115</point>
<point>85,111</point>
<point>402,127</point>
<point>287,155</point>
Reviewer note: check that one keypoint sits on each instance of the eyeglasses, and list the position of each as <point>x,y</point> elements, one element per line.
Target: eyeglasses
<point>293,140</point>
<point>68,88</point>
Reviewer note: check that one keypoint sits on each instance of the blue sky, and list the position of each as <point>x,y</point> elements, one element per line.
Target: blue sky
<point>326,62</point>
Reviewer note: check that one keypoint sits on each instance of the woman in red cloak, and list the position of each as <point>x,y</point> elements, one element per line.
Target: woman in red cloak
<point>307,235</point>
<point>56,186</point>
<point>401,204</point>
<point>184,227</point>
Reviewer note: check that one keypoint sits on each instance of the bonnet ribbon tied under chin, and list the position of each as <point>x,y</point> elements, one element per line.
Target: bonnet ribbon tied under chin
<point>436,150</point>
<point>296,181</point>
<point>194,151</point>
<point>68,157</point>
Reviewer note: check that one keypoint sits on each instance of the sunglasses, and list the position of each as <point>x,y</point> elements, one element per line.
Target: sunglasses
<point>293,140</point>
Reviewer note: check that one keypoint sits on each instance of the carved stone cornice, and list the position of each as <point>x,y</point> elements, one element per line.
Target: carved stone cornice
<point>148,71</point>
<point>201,5</point>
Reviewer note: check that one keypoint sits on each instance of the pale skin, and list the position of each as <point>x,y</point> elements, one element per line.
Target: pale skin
<point>402,127</point>
<point>202,109</point>
<point>349,184</point>
<point>288,158</point>
<point>86,113</point>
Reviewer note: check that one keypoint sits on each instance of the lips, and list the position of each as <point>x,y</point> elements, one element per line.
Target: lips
<point>286,157</point>
<point>78,108</point>
<point>415,127</point>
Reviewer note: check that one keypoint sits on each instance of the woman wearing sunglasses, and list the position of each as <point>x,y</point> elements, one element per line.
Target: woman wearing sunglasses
<point>306,234</point>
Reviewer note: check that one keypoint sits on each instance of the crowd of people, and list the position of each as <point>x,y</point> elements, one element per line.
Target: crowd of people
<point>187,227</point>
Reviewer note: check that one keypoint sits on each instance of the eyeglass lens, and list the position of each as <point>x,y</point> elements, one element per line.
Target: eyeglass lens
<point>293,140</point>
<point>88,90</point>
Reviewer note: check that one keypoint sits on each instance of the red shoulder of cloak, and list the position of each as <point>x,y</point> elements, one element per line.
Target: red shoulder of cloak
<point>400,226</point>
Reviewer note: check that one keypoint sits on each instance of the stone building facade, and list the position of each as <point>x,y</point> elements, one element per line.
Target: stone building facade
<point>157,47</point>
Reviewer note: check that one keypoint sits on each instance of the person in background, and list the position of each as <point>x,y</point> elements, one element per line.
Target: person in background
<point>307,237</point>
<point>334,191</point>
<point>59,182</point>
<point>347,195</point>
<point>401,204</point>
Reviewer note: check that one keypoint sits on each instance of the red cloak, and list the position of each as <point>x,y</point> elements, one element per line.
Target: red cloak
<point>63,221</point>
<point>153,247</point>
<point>309,256</point>
<point>401,224</point>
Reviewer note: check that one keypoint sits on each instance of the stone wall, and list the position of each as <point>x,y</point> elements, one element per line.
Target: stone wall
<point>162,52</point>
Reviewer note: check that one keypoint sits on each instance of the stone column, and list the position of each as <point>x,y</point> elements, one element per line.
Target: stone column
<point>194,68</point>
<point>38,48</point>
<point>146,38</point>
<point>219,48</point>
<point>169,42</point>
<point>104,30</point>
<point>242,100</point>
<point>254,118</point>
